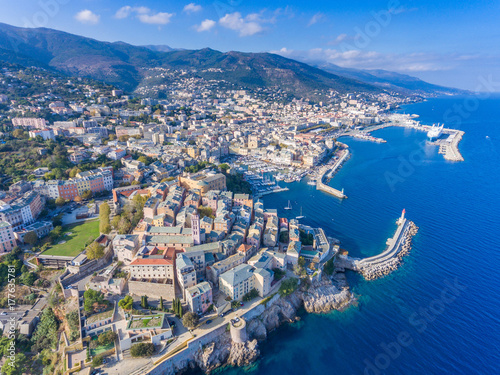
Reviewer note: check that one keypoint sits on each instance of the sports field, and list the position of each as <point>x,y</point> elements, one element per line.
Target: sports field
<point>74,237</point>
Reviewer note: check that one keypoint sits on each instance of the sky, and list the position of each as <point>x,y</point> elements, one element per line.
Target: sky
<point>450,43</point>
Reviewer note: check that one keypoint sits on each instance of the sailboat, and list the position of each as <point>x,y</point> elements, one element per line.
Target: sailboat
<point>300,216</point>
<point>289,207</point>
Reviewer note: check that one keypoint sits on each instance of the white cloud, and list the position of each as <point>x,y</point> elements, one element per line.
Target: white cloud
<point>247,26</point>
<point>161,18</point>
<point>316,18</point>
<point>192,8</point>
<point>361,59</point>
<point>144,15</point>
<point>87,16</point>
<point>206,25</point>
<point>123,12</point>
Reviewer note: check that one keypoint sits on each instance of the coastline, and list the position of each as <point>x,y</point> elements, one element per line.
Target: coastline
<point>317,295</point>
<point>320,296</point>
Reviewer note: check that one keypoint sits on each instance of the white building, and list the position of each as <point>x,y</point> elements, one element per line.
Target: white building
<point>125,246</point>
<point>186,273</point>
<point>237,282</point>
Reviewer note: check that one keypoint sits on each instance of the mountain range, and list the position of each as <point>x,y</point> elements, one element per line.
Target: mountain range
<point>123,64</point>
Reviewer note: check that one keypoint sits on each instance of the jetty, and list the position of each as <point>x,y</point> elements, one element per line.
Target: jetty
<point>389,260</point>
<point>328,173</point>
<point>449,146</point>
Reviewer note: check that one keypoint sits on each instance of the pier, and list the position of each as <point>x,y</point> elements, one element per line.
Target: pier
<point>325,171</point>
<point>384,263</point>
<point>449,146</point>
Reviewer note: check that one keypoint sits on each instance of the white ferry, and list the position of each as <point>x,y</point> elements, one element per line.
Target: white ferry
<point>435,132</point>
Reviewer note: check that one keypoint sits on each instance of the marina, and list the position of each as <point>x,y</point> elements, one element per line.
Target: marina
<point>446,139</point>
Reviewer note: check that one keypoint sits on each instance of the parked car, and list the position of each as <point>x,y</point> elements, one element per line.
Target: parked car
<point>208,321</point>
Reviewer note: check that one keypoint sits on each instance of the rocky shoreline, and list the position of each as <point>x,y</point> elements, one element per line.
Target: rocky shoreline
<point>327,294</point>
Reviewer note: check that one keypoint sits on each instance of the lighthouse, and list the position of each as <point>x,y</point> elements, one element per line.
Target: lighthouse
<point>401,219</point>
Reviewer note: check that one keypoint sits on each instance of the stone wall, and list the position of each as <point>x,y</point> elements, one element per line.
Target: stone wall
<point>153,290</point>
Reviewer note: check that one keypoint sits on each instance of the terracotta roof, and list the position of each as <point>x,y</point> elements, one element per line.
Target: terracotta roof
<point>244,248</point>
<point>151,261</point>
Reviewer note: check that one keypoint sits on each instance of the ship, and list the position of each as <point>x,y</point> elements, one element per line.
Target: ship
<point>289,207</point>
<point>435,132</point>
<point>300,216</point>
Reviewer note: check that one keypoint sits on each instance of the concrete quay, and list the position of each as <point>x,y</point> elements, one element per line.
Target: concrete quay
<point>325,171</point>
<point>449,148</point>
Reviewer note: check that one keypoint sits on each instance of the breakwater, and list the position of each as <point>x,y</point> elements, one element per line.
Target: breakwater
<point>389,260</point>
<point>326,171</point>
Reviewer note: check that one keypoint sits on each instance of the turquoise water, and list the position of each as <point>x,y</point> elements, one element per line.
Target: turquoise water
<point>411,321</point>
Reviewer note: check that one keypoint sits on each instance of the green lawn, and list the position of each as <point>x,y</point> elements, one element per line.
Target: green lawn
<point>101,349</point>
<point>75,242</point>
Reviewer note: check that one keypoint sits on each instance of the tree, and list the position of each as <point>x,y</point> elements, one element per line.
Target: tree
<point>97,360</point>
<point>224,167</point>
<point>329,267</point>
<point>284,237</point>
<point>74,171</point>
<point>92,297</point>
<point>30,238</point>
<point>18,133</point>
<point>115,222</point>
<point>45,336</point>
<point>288,286</point>
<point>77,198</point>
<point>95,251</point>
<point>143,349</point>
<point>143,159</point>
<point>56,233</point>
<point>28,278</point>
<point>104,210</point>
<point>126,303</point>
<point>124,225</point>
<point>190,319</point>
<point>144,302</point>
<point>254,293</point>
<point>87,194</point>
<point>302,261</point>
<point>177,307</point>
<point>161,303</point>
<point>205,211</point>
<point>104,227</point>
<point>60,201</point>
<point>17,366</point>
<point>107,338</point>
<point>74,325</point>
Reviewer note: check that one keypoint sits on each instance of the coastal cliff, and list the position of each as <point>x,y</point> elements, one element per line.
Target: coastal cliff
<point>317,297</point>
<point>222,351</point>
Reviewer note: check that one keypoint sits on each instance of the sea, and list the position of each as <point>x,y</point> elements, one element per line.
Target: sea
<point>439,313</point>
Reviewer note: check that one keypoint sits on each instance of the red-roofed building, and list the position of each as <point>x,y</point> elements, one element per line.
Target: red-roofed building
<point>153,262</point>
<point>247,250</point>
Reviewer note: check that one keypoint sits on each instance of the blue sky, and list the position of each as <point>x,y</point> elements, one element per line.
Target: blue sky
<point>445,42</point>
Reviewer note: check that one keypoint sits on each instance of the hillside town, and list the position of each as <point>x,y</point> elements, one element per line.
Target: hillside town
<point>138,222</point>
